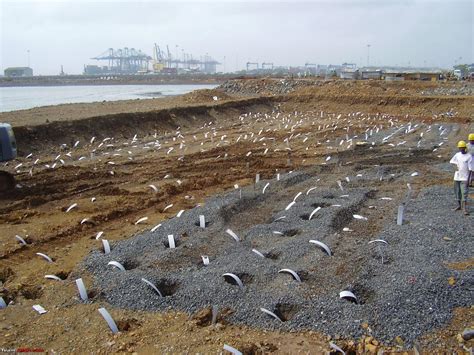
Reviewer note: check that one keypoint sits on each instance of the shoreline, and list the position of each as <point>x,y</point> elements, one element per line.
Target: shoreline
<point>78,111</point>
<point>44,96</point>
<point>82,80</point>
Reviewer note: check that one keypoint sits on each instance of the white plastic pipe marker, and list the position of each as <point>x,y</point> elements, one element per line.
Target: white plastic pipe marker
<point>258,253</point>
<point>236,278</point>
<point>264,310</point>
<point>294,274</point>
<point>171,242</point>
<point>322,246</point>
<point>45,257</point>
<point>106,245</point>
<point>232,350</point>
<point>117,265</point>
<point>108,318</point>
<point>233,235</point>
<point>312,213</point>
<point>82,289</point>
<point>152,285</point>
<point>347,294</point>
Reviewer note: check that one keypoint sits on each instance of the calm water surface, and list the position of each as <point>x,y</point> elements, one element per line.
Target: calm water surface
<point>20,98</point>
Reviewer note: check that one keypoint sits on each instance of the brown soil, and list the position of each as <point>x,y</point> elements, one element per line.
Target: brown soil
<point>36,211</point>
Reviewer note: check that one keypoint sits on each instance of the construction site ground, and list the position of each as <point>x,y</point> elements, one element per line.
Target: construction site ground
<point>104,157</point>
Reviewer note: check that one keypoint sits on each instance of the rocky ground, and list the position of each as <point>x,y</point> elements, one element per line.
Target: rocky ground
<point>155,161</point>
<point>465,89</point>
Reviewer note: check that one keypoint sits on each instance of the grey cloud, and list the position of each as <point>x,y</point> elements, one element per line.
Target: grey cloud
<point>286,33</point>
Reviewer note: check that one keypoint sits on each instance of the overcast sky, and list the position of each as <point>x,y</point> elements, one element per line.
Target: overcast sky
<point>404,32</point>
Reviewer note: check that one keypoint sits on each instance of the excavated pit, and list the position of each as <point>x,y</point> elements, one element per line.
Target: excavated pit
<point>387,297</point>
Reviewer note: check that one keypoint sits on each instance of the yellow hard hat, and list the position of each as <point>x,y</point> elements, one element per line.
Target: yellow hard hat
<point>462,144</point>
<point>471,137</point>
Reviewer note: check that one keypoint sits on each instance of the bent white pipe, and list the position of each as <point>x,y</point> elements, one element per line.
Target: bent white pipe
<point>265,187</point>
<point>233,235</point>
<point>337,348</point>
<point>143,219</point>
<point>322,246</point>
<point>347,294</point>
<point>74,205</point>
<point>289,271</point>
<point>378,241</point>
<point>270,313</point>
<point>20,239</point>
<point>312,213</point>
<point>106,245</point>
<point>258,253</point>
<point>236,278</point>
<point>155,228</point>
<point>152,285</point>
<point>45,257</point>
<point>117,265</point>
<point>108,318</point>
<point>232,350</point>
<point>82,289</point>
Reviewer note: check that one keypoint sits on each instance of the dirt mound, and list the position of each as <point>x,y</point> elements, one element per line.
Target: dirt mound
<point>206,95</point>
<point>452,89</point>
<point>402,99</point>
<point>335,87</point>
<point>266,86</point>
<point>127,125</point>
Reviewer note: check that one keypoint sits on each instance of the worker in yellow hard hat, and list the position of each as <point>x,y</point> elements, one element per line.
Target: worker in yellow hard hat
<point>470,150</point>
<point>464,166</point>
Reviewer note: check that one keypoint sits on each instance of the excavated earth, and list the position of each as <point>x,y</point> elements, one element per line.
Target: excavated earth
<point>380,275</point>
<point>201,156</point>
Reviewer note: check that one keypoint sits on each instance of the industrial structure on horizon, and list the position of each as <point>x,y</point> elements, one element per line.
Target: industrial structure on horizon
<point>17,72</point>
<point>132,61</point>
<point>348,71</point>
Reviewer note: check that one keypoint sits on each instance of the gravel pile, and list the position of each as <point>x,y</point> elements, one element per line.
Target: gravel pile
<point>464,90</point>
<point>402,288</point>
<point>266,86</point>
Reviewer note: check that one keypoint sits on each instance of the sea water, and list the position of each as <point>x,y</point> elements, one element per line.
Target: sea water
<point>26,97</point>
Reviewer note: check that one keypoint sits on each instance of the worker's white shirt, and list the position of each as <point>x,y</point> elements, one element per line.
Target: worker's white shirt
<point>464,163</point>
<point>470,148</point>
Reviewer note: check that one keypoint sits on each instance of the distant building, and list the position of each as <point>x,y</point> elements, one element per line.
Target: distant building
<point>371,74</point>
<point>94,70</point>
<point>415,75</point>
<point>351,74</point>
<point>18,72</point>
